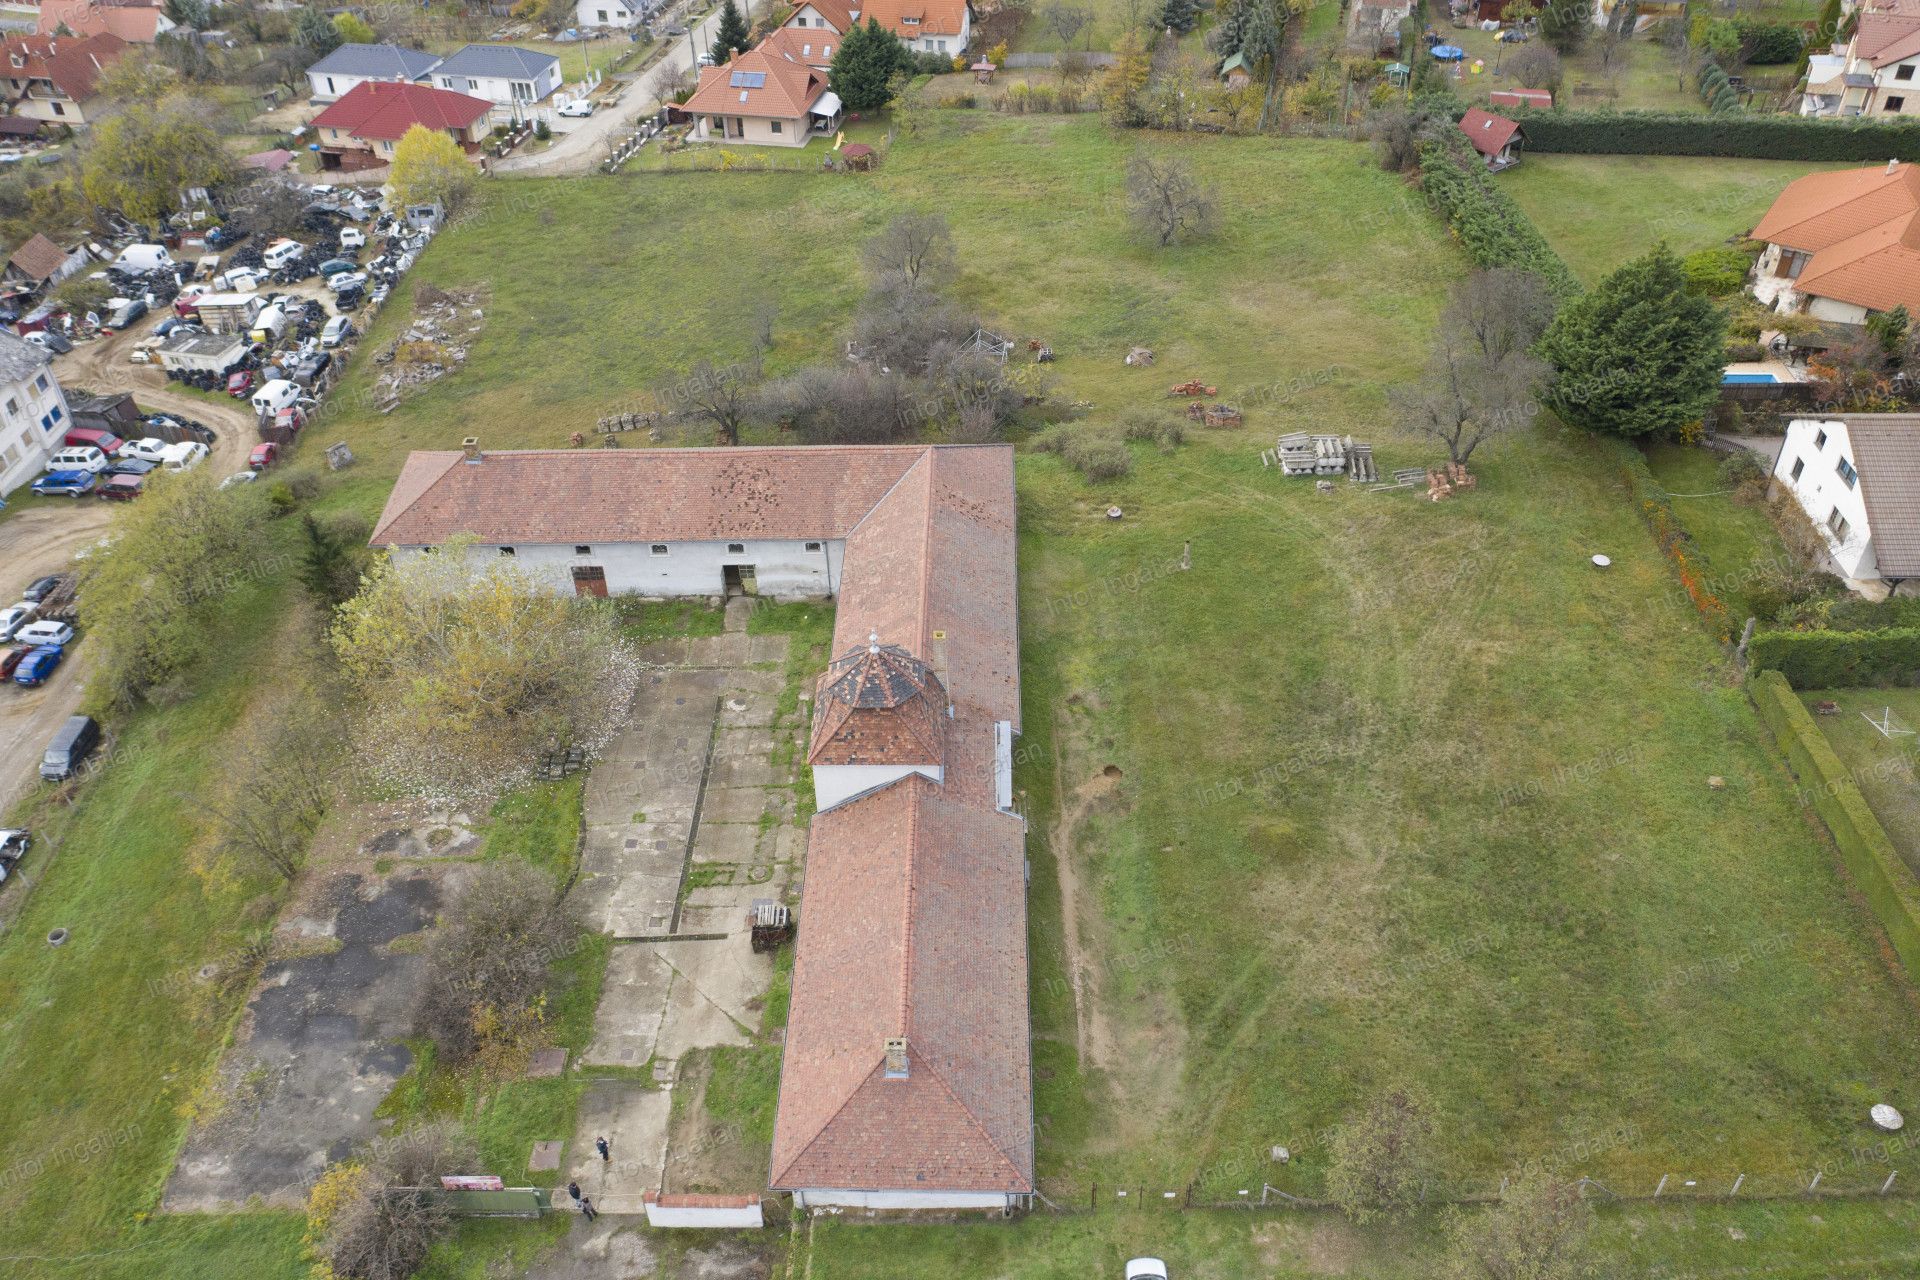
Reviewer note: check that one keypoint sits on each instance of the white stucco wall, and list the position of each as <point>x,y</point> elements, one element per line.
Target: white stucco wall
<point>722,1217</point>
<point>809,17</point>
<point>1820,490</point>
<point>499,89</point>
<point>1833,309</point>
<point>758,132</point>
<point>329,88</point>
<point>33,426</point>
<point>823,1197</point>
<point>783,569</point>
<point>605,13</point>
<point>837,783</point>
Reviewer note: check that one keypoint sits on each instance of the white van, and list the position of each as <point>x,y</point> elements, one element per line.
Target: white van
<point>183,456</point>
<point>144,257</point>
<point>281,252</point>
<point>275,396</point>
<point>79,458</point>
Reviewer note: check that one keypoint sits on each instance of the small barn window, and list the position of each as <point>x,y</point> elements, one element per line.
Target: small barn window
<point>813,546</point>
<point>582,550</point>
<point>658,548</point>
<point>506,551</point>
<point>736,548</point>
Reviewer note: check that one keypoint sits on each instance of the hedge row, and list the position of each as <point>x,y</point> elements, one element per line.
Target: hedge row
<point>1656,508</point>
<point>1885,881</point>
<point>1839,659</point>
<point>1746,134</point>
<point>1495,231</point>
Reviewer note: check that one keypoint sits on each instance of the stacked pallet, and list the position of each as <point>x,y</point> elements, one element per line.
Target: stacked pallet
<point>1302,454</point>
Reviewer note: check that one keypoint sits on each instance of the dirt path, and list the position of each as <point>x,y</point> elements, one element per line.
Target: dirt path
<point>1093,1033</point>
<point>101,366</point>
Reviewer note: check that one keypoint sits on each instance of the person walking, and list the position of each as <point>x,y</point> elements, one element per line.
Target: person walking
<point>605,1149</point>
<point>586,1207</point>
<point>573,1189</point>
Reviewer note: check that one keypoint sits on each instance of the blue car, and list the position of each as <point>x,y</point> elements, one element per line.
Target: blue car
<point>38,665</point>
<point>70,483</point>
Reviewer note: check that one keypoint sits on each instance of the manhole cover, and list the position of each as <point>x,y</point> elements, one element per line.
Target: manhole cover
<point>632,843</point>
<point>57,938</point>
<point>656,922</point>
<point>735,704</point>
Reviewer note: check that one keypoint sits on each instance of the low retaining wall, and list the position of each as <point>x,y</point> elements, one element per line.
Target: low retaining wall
<point>1878,872</point>
<point>718,1212</point>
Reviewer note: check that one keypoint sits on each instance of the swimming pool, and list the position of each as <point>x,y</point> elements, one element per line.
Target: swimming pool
<point>1740,378</point>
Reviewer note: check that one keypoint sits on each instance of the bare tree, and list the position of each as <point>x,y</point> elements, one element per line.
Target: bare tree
<point>1066,21</point>
<point>1399,133</point>
<point>1166,199</point>
<point>1538,1231</point>
<point>380,1219</point>
<point>1380,1159</point>
<point>1481,380</point>
<point>1536,65</point>
<point>916,250</point>
<point>1071,65</point>
<point>723,397</point>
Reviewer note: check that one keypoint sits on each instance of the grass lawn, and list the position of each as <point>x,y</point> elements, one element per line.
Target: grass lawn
<point>1735,536</point>
<point>1642,77</point>
<point>1601,211</point>
<point>1887,769</point>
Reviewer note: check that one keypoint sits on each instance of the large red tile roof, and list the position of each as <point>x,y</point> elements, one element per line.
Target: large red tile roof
<point>757,83</point>
<point>72,63</point>
<point>935,17</point>
<point>382,111</point>
<point>639,495</point>
<point>1862,230</point>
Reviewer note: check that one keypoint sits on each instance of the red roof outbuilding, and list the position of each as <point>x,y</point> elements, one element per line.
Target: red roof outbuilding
<point>1490,134</point>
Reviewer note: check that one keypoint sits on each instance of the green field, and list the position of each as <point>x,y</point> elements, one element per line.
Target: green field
<point>1601,211</point>
<point>1885,767</point>
<point>1378,790</point>
<point>1735,536</point>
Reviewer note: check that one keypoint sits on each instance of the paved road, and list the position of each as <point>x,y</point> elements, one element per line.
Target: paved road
<point>580,149</point>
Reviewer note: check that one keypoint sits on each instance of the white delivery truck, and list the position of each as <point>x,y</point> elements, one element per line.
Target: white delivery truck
<point>144,257</point>
<point>275,396</point>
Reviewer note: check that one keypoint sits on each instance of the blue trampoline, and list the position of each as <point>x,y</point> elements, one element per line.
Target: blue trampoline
<point>1448,52</point>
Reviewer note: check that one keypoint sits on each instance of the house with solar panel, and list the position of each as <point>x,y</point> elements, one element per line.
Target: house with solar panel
<point>764,97</point>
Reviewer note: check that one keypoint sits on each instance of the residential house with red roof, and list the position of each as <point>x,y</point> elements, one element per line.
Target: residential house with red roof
<point>804,45</point>
<point>763,98</point>
<point>925,26</point>
<point>55,78</point>
<point>360,130</point>
<point>134,21</point>
<point>1496,138</point>
<point>906,1079</point>
<point>1842,245</point>
<point>1875,71</point>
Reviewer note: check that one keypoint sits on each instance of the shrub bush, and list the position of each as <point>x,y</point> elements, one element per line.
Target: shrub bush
<point>1495,231</point>
<point>1097,456</point>
<point>1840,659</point>
<point>1742,134</point>
<point>1716,272</point>
<point>1769,43</point>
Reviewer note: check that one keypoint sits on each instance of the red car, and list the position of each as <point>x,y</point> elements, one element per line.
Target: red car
<point>10,662</point>
<point>105,441</point>
<point>239,383</point>
<point>263,456</point>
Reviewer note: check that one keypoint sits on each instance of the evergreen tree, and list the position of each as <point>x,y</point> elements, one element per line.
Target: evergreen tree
<point>865,62</point>
<point>1564,23</point>
<point>315,33</point>
<point>1638,356</point>
<point>1180,16</point>
<point>730,36</point>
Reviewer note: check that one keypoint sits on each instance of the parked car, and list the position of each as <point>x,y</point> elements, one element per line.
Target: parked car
<point>105,441</point>
<point>70,747</point>
<point>346,280</point>
<point>352,238</point>
<point>239,478</point>
<point>14,843</point>
<point>48,340</point>
<point>45,632</point>
<point>148,352</point>
<point>276,395</point>
<point>578,108</point>
<point>263,456</point>
<point>148,449</point>
<point>121,488</point>
<point>184,456</point>
<point>16,616</point>
<point>166,327</point>
<point>311,367</point>
<point>280,253</point>
<point>10,662</point>
<point>39,589</point>
<point>337,331</point>
<point>83,457</point>
<point>125,311</point>
<point>239,382</point>
<point>337,266</point>
<point>1146,1269</point>
<point>38,665</point>
<point>70,484</point>
<point>130,467</point>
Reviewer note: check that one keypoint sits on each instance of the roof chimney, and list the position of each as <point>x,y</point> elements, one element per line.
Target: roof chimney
<point>897,1058</point>
<point>471,447</point>
<point>873,642</point>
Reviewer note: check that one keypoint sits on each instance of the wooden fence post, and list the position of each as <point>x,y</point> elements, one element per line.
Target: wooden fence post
<point>1736,1186</point>
<point>1662,1187</point>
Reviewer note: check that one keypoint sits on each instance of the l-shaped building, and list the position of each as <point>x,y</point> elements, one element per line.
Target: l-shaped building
<point>906,1081</point>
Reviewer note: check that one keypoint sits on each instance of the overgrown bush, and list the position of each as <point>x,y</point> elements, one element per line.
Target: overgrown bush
<point>1098,456</point>
<point>1744,473</point>
<point>1716,272</point>
<point>1162,430</point>
<point>1491,226</point>
<point>1769,43</point>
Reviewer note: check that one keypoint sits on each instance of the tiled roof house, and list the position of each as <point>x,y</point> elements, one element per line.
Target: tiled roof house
<point>1844,244</point>
<point>906,1081</point>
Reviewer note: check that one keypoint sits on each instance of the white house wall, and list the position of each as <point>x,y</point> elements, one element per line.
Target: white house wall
<point>837,783</point>
<point>33,427</point>
<point>605,13</point>
<point>783,569</point>
<point>827,1197</point>
<point>1820,490</point>
<point>499,89</point>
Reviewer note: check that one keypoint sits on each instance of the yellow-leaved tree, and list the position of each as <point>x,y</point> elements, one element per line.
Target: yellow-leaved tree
<point>429,166</point>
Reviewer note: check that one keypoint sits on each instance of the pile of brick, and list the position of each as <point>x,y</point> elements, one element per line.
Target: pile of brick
<point>1446,481</point>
